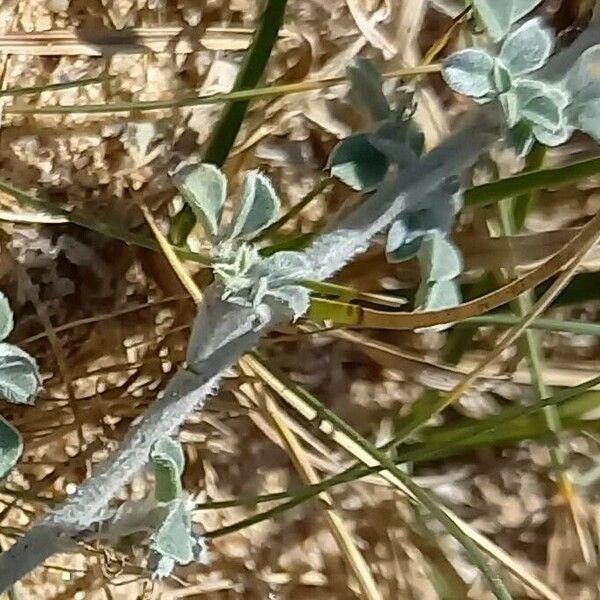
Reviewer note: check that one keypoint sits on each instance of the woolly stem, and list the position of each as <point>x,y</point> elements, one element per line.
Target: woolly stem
<point>188,391</point>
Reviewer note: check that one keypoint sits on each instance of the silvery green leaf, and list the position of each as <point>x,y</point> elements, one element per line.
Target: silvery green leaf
<point>438,295</point>
<point>497,16</point>
<point>366,89</point>
<point>521,138</point>
<point>168,462</point>
<point>553,137</point>
<point>527,48</point>
<point>539,103</point>
<point>286,266</point>
<point>439,259</point>
<point>173,537</point>
<point>168,451</point>
<point>510,105</point>
<point>585,70</point>
<point>6,317</point>
<point>19,377</point>
<point>357,163</point>
<point>11,447</point>
<point>587,93</point>
<point>396,237</point>
<point>204,188</point>
<point>589,118</point>
<point>502,77</point>
<point>258,208</point>
<point>296,297</point>
<point>401,128</point>
<point>543,111</point>
<point>470,72</point>
<point>160,566</point>
<point>522,8</point>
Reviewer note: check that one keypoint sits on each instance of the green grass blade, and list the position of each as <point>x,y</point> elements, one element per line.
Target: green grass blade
<point>490,193</point>
<point>53,87</point>
<point>224,135</point>
<point>523,204</point>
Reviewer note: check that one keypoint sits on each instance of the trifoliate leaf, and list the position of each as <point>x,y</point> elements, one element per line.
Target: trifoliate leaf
<point>527,48</point>
<point>168,462</point>
<point>6,317</point>
<point>521,138</point>
<point>439,259</point>
<point>258,208</point>
<point>11,447</point>
<point>470,72</point>
<point>357,163</point>
<point>366,89</point>
<point>19,377</point>
<point>589,118</point>
<point>173,538</point>
<point>204,188</point>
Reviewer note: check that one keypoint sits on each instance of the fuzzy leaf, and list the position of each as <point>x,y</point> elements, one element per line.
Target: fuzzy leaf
<point>11,447</point>
<point>173,538</point>
<point>366,90</point>
<point>527,48</point>
<point>19,376</point>
<point>522,8</point>
<point>357,163</point>
<point>396,237</point>
<point>553,137</point>
<point>589,118</point>
<point>295,297</point>
<point>521,138</point>
<point>439,259</point>
<point>438,295</point>
<point>204,188</point>
<point>258,208</point>
<point>510,105</point>
<point>6,317</point>
<point>585,71</point>
<point>286,266</point>
<point>540,104</point>
<point>499,15</point>
<point>502,77</point>
<point>470,72</point>
<point>168,462</point>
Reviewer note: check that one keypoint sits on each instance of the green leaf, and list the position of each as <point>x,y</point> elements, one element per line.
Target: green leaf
<point>589,119</point>
<point>499,15</point>
<point>258,208</point>
<point>357,163</point>
<point>173,538</point>
<point>439,259</point>
<point>521,138</point>
<point>437,296</point>
<point>204,188</point>
<point>527,48</point>
<point>470,72</point>
<point>6,317</point>
<point>11,447</point>
<point>19,377</point>
<point>366,91</point>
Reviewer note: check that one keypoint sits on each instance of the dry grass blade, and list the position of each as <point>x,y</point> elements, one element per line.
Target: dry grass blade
<point>321,418</point>
<point>176,264</point>
<point>340,532</point>
<point>358,316</point>
<point>139,40</point>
